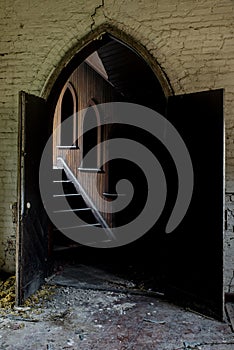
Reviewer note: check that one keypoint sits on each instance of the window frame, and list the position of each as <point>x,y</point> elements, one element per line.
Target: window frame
<point>94,105</point>
<point>75,121</point>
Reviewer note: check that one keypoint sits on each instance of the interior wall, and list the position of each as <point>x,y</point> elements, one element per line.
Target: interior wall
<point>191,42</point>
<point>89,87</point>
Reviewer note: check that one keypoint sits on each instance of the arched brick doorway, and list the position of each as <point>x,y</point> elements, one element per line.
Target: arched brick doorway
<point>189,262</point>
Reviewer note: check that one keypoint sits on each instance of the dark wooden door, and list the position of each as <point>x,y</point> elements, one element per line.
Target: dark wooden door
<point>194,251</point>
<point>32,219</point>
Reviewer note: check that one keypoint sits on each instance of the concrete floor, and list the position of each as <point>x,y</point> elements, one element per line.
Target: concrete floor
<point>85,319</point>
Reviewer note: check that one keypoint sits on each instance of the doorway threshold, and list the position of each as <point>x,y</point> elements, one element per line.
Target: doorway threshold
<point>89,277</point>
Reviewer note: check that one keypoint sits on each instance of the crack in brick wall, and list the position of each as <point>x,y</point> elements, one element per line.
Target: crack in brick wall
<point>93,15</point>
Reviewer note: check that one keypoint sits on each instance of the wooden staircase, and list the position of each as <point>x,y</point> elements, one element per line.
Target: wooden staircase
<point>72,215</point>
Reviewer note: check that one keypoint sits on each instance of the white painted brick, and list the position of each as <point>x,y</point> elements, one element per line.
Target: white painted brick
<point>192,41</point>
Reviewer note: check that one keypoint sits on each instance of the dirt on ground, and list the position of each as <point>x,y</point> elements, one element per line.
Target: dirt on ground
<point>60,317</point>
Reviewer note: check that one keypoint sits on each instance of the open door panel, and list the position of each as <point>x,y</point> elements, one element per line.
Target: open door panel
<point>32,244</point>
<point>194,264</point>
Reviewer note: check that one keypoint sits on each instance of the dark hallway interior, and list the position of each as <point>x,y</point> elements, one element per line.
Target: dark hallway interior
<point>140,261</point>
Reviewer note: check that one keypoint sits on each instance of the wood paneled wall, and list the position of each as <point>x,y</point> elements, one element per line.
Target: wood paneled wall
<point>87,87</point>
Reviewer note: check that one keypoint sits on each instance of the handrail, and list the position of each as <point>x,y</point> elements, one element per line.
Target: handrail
<point>86,198</point>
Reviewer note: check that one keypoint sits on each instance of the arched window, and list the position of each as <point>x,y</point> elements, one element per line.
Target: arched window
<point>68,108</point>
<point>91,138</point>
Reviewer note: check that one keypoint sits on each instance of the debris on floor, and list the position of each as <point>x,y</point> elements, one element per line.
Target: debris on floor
<point>90,310</point>
<point>191,345</point>
<point>38,298</point>
<point>7,292</point>
<point>87,319</point>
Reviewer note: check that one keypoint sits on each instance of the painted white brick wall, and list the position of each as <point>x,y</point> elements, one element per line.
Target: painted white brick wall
<point>193,42</point>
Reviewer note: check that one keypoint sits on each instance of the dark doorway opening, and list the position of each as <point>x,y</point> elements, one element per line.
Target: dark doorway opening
<point>186,265</point>
<point>131,80</point>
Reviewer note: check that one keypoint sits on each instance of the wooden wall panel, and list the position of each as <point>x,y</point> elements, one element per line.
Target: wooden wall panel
<point>88,85</point>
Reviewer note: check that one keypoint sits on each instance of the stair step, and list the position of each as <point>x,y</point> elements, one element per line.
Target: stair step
<point>70,210</point>
<point>66,195</point>
<point>63,186</point>
<point>61,181</point>
<point>74,227</point>
<point>68,203</point>
<point>67,216</point>
<point>58,248</point>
